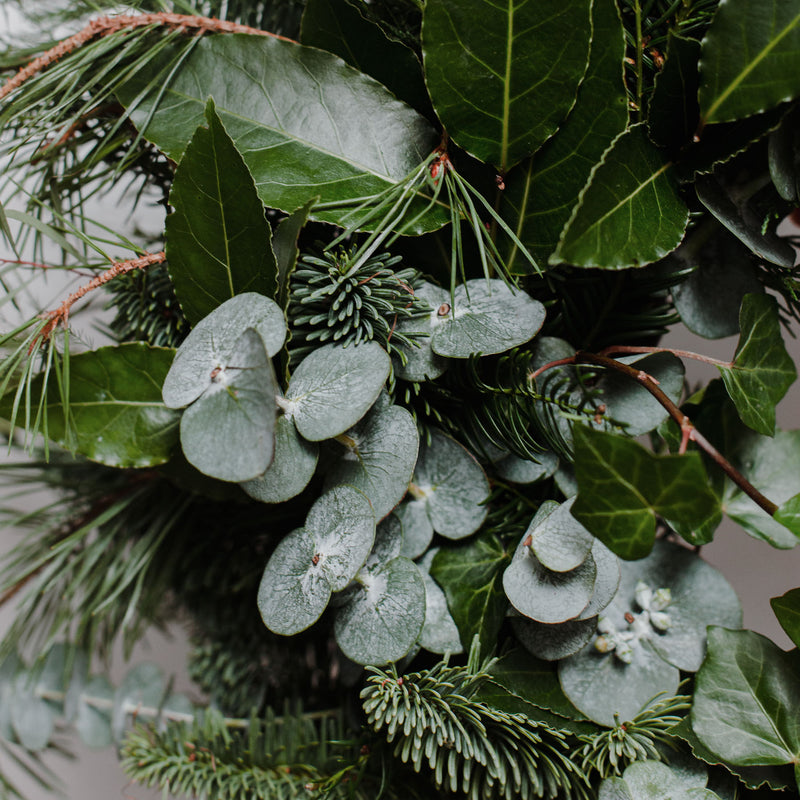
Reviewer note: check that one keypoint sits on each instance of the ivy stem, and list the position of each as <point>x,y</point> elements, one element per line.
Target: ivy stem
<point>632,350</point>
<point>639,57</point>
<point>688,430</point>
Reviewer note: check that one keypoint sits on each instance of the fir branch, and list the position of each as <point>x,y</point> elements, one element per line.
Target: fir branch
<point>469,746</point>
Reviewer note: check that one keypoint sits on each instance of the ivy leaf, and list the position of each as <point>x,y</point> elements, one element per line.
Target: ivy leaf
<point>503,77</point>
<point>745,699</point>
<point>334,386</point>
<point>384,614</point>
<point>340,28</point>
<point>452,485</point>
<point>312,562</point>
<point>750,59</point>
<point>219,243</point>
<point>292,467</point>
<point>487,317</point>
<point>348,139</point>
<point>229,431</point>
<point>633,183</point>
<point>762,370</point>
<point>540,193</point>
<point>379,457</point>
<point>117,416</point>
<point>471,576</point>
<point>787,610</point>
<point>622,488</point>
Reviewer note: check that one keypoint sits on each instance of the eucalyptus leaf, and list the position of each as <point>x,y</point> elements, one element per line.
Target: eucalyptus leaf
<point>421,362</point>
<point>541,191</point>
<point>559,541</point>
<point>486,317</point>
<point>93,723</point>
<point>749,59</point>
<point>32,718</point>
<point>292,467</point>
<point>142,686</point>
<point>452,485</point>
<point>787,610</point>
<point>384,616</point>
<point>762,370</point>
<point>745,700</point>
<point>417,527</point>
<point>379,457</point>
<point>634,181</point>
<point>514,469</point>
<point>502,87</point>
<point>439,633</point>
<point>471,576</point>
<point>219,243</point>
<point>333,387</point>
<point>552,642</point>
<point>654,780</point>
<point>622,488</point>
<point>117,417</point>
<point>229,432</point>
<point>607,582</point>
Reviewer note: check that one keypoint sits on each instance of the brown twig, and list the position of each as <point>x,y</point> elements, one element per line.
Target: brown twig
<point>108,25</point>
<point>621,349</point>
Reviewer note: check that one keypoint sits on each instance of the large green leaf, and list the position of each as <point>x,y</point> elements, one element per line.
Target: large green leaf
<point>502,77</point>
<point>117,416</point>
<point>541,192</point>
<point>750,59</point>
<point>746,698</point>
<point>787,610</point>
<point>218,239</point>
<point>762,370</point>
<point>622,488</point>
<point>630,213</point>
<point>348,138</point>
<point>471,576</point>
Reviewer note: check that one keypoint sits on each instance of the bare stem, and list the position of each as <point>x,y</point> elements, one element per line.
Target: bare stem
<point>632,350</point>
<point>561,362</point>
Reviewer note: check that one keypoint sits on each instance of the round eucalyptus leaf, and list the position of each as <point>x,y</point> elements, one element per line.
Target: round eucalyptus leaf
<point>142,687</point>
<point>700,596</point>
<point>229,432</point>
<point>607,582</point>
<point>53,677</point>
<point>175,706</point>
<point>487,317</point>
<point>388,540</point>
<point>421,362</point>
<point>213,344</point>
<point>514,469</point>
<point>342,526</point>
<point>292,466</point>
<point>439,633</point>
<point>92,723</point>
<point>333,387</point>
<point>614,789</point>
<point>294,590</point>
<point>560,542</point>
<point>553,642</point>
<point>453,486</point>
<point>383,619</point>
<point>544,595</point>
<point>417,527</point>
<point>378,457</point>
<point>653,780</point>
<point>601,685</point>
<point>32,718</point>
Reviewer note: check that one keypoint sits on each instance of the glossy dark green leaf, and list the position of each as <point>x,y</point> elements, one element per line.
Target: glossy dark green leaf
<point>784,157</point>
<point>630,213</point>
<point>787,610</point>
<point>348,138</point>
<point>339,27</point>
<point>622,488</point>
<point>229,431</point>
<point>673,111</point>
<point>541,192</point>
<point>285,247</point>
<point>333,387</point>
<point>746,698</point>
<point>503,77</point>
<point>378,457</point>
<point>750,59</point>
<point>117,416</point>
<point>471,576</point>
<point>762,370</point>
<point>218,238</point>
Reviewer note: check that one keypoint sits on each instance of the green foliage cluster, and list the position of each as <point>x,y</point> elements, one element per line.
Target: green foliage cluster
<point>383,413</point>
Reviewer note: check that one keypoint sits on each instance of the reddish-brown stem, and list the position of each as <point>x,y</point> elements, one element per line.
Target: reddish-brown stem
<point>688,429</point>
<point>561,362</point>
<point>107,25</point>
<point>60,315</point>
<point>622,349</point>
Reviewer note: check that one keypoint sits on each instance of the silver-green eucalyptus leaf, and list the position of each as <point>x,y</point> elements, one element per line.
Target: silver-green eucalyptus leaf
<point>556,641</point>
<point>421,362</point>
<point>417,527</point>
<point>560,542</point>
<point>514,469</point>
<point>32,718</point>
<point>607,582</point>
<point>142,686</point>
<point>93,724</point>
<point>439,633</point>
